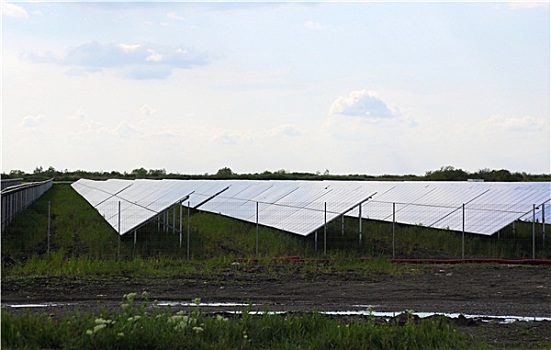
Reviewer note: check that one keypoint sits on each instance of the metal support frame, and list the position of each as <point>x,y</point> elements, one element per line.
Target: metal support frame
<point>534,231</point>
<point>188,230</point>
<point>119,233</point>
<point>49,225</point>
<point>180,228</point>
<point>360,221</point>
<point>393,230</point>
<point>463,232</point>
<point>256,254</point>
<point>325,228</point>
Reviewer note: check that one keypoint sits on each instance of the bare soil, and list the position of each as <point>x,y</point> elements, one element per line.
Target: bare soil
<point>498,290</point>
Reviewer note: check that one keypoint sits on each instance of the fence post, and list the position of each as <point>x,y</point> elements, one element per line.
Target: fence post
<point>173,220</point>
<point>49,225</point>
<point>180,204</point>
<point>393,230</point>
<point>325,228</point>
<point>463,232</point>
<point>119,233</point>
<point>256,255</point>
<point>533,231</point>
<point>188,230</point>
<point>360,222</point>
<point>543,225</point>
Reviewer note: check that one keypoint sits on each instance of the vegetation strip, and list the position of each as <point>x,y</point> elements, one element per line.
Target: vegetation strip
<point>136,326</point>
<point>474,261</point>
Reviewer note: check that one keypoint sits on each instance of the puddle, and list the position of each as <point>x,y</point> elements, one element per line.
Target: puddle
<point>483,318</point>
<point>367,311</point>
<point>17,306</point>
<point>183,303</point>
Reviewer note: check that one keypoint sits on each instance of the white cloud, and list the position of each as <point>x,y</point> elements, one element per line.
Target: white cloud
<point>521,5</point>
<point>520,124</point>
<point>125,131</point>
<point>362,103</point>
<point>154,56</point>
<point>174,15</point>
<point>135,61</point>
<point>286,130</point>
<point>78,115</point>
<point>12,10</point>
<point>312,25</point>
<point>32,121</point>
<point>148,111</point>
<point>129,47</point>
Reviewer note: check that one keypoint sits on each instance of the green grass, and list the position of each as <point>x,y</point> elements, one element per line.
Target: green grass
<point>82,243</point>
<point>143,326</point>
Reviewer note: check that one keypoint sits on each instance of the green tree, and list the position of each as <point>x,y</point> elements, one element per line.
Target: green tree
<point>447,173</point>
<point>224,173</point>
<point>139,173</point>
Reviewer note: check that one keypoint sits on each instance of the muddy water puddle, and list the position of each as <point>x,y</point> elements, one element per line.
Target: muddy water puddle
<point>355,310</point>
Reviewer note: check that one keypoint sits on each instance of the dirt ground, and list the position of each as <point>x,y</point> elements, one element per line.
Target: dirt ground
<point>497,290</point>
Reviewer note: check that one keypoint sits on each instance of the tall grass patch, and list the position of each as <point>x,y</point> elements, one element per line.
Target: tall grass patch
<point>140,324</point>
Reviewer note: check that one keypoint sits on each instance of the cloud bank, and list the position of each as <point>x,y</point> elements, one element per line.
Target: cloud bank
<point>12,10</point>
<point>134,61</point>
<point>362,103</point>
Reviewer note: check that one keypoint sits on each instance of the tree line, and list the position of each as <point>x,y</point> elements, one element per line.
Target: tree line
<point>445,173</point>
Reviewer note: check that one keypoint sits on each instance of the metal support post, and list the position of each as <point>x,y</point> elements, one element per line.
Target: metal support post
<point>49,225</point>
<point>393,230</point>
<point>173,220</point>
<point>119,232</point>
<point>543,225</point>
<point>316,240</point>
<point>360,222</point>
<point>135,237</point>
<point>188,230</point>
<point>325,228</point>
<point>256,255</point>
<point>533,231</point>
<point>180,228</point>
<point>463,232</point>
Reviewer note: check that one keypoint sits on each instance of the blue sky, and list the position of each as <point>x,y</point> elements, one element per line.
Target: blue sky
<point>370,88</point>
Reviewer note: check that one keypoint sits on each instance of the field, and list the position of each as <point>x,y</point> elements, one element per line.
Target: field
<point>84,273</point>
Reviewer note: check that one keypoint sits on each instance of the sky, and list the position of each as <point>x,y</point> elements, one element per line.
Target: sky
<point>350,88</point>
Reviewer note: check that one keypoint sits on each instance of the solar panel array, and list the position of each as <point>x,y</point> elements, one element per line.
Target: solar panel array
<point>302,207</point>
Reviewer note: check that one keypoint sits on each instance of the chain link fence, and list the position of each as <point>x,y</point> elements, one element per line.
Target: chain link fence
<point>250,229</point>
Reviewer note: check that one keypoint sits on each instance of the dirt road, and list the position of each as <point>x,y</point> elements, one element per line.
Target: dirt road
<point>498,290</point>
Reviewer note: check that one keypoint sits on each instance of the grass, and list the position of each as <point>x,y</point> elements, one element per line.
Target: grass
<point>145,326</point>
<point>82,243</point>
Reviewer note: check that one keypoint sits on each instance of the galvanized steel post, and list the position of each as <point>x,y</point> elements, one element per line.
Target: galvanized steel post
<point>119,233</point>
<point>463,232</point>
<point>360,222</point>
<point>256,255</point>
<point>188,230</point>
<point>393,230</point>
<point>325,228</point>
<point>543,225</point>
<point>49,225</point>
<point>533,231</point>
<point>180,204</point>
<point>173,220</point>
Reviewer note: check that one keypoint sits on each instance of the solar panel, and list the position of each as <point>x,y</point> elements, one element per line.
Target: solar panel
<point>299,206</point>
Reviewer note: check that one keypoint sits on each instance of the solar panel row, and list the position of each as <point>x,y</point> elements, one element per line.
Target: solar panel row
<point>302,207</point>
